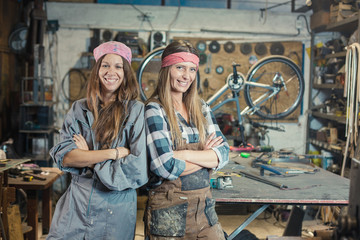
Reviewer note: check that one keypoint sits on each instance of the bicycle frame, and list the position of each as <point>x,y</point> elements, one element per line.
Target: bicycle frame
<point>273,90</point>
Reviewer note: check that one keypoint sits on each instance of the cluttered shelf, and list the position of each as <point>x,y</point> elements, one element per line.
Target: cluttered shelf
<point>332,117</point>
<point>331,86</point>
<point>334,148</point>
<point>341,54</point>
<point>346,25</point>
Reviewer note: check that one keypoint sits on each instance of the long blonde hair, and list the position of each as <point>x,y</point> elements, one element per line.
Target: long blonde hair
<point>191,98</point>
<point>107,124</point>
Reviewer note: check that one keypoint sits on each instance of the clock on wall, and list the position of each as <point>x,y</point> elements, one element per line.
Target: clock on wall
<point>17,39</point>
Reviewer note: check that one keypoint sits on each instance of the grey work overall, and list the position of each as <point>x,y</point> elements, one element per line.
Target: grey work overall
<point>183,209</point>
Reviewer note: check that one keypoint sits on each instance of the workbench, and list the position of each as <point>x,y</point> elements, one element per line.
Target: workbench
<point>31,188</point>
<point>321,188</point>
<point>6,195</point>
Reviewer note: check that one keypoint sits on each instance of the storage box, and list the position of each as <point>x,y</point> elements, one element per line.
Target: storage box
<point>319,20</point>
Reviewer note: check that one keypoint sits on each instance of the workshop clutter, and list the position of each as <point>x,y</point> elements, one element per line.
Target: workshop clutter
<point>341,11</point>
<point>327,134</point>
<point>330,70</point>
<point>331,13</point>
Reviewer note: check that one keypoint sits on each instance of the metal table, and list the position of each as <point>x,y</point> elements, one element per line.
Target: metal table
<point>321,188</point>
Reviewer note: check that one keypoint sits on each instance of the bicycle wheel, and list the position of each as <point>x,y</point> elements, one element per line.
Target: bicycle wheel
<point>148,71</point>
<point>290,88</point>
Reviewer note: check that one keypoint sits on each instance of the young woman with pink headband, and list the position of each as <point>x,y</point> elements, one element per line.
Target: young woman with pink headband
<point>102,147</point>
<point>184,144</point>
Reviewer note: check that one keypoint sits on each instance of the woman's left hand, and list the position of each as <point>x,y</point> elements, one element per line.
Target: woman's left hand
<point>80,142</point>
<point>213,142</point>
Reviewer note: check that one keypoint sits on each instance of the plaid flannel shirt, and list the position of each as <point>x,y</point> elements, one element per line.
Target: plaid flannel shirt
<point>160,147</point>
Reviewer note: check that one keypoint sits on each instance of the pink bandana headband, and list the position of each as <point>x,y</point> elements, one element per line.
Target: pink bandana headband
<point>180,57</point>
<point>113,47</point>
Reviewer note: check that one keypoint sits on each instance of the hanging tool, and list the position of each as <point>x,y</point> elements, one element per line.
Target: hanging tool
<point>208,64</point>
<point>352,94</point>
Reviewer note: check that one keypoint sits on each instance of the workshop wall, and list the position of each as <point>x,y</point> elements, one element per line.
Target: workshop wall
<point>9,71</point>
<point>74,36</point>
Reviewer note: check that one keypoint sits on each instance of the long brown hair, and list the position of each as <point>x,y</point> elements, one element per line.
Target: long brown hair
<point>162,95</point>
<point>108,118</point>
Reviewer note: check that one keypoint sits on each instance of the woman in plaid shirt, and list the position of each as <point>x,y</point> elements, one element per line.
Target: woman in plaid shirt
<point>184,144</point>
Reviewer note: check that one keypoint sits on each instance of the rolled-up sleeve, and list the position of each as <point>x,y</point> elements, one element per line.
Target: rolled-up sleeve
<point>159,144</point>
<point>66,144</point>
<point>130,171</point>
<point>222,151</point>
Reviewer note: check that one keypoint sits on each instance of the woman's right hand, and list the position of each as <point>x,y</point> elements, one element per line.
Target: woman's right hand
<point>213,142</point>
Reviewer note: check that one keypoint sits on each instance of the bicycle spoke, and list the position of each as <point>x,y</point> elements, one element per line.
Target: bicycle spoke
<point>284,77</point>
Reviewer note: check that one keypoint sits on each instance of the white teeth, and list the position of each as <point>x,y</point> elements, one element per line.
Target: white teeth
<point>111,79</point>
<point>183,83</point>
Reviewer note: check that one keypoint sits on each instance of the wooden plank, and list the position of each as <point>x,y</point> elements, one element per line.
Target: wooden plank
<point>14,218</point>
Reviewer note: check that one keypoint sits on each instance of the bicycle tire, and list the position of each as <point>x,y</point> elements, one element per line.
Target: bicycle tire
<point>142,67</point>
<point>145,93</point>
<point>287,100</point>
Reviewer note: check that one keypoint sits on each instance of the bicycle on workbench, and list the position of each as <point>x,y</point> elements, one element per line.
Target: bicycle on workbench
<point>273,87</point>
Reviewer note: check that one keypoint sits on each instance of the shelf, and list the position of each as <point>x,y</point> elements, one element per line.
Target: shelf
<point>39,157</point>
<point>325,146</point>
<point>335,118</point>
<point>336,55</point>
<point>348,25</point>
<point>40,104</point>
<point>39,131</point>
<point>328,86</point>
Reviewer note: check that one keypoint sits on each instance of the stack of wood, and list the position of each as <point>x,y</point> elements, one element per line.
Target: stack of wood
<point>341,11</point>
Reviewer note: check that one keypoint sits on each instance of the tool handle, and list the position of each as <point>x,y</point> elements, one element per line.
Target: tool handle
<point>266,167</point>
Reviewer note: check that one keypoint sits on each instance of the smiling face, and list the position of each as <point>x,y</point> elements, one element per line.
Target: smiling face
<point>182,76</point>
<point>111,74</point>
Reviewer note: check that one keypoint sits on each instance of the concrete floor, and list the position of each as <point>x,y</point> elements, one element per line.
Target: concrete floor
<point>263,226</point>
<point>231,217</point>
<point>260,227</point>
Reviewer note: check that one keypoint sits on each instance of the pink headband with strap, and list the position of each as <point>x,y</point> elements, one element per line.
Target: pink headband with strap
<point>180,57</point>
<point>113,47</point>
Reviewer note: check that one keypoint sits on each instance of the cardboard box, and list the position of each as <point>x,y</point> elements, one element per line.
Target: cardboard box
<point>333,135</point>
